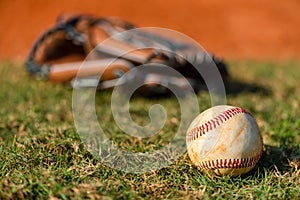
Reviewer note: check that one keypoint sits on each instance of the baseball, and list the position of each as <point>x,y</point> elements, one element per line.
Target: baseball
<point>224,140</point>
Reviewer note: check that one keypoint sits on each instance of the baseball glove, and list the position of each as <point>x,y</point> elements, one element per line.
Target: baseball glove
<point>59,53</point>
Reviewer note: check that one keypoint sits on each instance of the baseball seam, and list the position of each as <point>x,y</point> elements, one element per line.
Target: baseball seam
<point>213,123</point>
<point>229,163</point>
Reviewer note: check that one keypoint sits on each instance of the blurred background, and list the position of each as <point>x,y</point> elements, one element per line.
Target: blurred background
<point>235,30</point>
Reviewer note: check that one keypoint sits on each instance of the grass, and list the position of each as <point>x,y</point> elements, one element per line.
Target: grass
<point>42,156</point>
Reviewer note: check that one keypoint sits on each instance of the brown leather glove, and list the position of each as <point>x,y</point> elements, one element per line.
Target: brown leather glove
<point>58,54</point>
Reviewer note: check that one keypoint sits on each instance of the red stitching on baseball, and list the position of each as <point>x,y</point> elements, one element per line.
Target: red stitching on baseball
<point>229,163</point>
<point>209,123</point>
<point>214,122</point>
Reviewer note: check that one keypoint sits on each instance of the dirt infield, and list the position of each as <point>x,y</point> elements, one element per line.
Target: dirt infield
<point>256,29</point>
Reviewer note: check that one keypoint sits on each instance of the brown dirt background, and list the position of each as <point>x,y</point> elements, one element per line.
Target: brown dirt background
<point>236,29</point>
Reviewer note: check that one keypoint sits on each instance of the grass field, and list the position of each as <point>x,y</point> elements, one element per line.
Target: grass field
<point>42,156</point>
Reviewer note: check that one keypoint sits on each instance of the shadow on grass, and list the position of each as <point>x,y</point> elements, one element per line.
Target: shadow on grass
<point>235,87</point>
<point>279,158</point>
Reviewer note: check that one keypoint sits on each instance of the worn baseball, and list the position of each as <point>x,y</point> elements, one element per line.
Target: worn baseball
<point>224,140</point>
